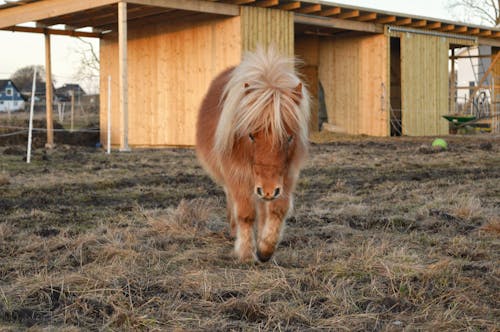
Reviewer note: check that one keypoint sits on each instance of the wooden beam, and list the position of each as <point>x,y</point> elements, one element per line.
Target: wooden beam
<point>79,15</point>
<point>290,6</point>
<point>267,3</point>
<point>447,27</point>
<point>461,29</point>
<point>309,9</point>
<point>240,2</point>
<point>474,31</point>
<point>419,23</point>
<point>46,9</point>
<point>488,41</point>
<point>199,6</point>
<point>55,32</point>
<point>485,33</point>
<point>433,25</point>
<point>48,94</point>
<point>123,75</point>
<point>386,19</point>
<point>367,17</point>
<point>338,23</point>
<point>350,14</point>
<point>330,11</point>
<point>403,21</point>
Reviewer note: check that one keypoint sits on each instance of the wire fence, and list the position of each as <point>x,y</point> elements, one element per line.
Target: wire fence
<point>74,120</point>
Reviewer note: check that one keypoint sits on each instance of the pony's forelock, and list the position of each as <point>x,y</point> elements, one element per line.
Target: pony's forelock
<point>260,95</point>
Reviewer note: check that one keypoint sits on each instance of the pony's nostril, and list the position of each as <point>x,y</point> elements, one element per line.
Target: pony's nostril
<point>259,191</point>
<point>276,192</point>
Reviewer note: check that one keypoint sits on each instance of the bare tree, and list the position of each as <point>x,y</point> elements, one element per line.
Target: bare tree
<point>23,77</point>
<point>88,69</point>
<point>484,12</point>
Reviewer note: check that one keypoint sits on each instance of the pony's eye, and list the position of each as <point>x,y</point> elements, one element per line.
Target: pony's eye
<point>251,137</point>
<point>290,139</point>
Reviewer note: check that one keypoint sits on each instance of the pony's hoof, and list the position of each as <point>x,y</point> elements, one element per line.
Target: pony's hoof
<point>263,257</point>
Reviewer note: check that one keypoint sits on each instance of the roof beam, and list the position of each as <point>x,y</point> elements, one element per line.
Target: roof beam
<point>485,33</point>
<point>40,10</point>
<point>338,23</point>
<point>461,29</point>
<point>488,41</point>
<point>350,14</point>
<point>192,5</point>
<point>267,3</point>
<point>419,24</point>
<point>474,31</point>
<point>386,19</point>
<point>59,32</point>
<point>330,11</point>
<point>448,27</point>
<point>309,9</point>
<point>367,17</point>
<point>403,21</point>
<point>290,6</point>
<point>433,25</point>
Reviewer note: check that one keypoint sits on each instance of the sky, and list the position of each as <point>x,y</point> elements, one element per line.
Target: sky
<point>23,49</point>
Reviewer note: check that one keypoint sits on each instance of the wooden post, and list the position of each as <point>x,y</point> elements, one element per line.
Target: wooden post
<point>452,83</point>
<point>48,94</point>
<point>72,110</point>
<point>123,84</point>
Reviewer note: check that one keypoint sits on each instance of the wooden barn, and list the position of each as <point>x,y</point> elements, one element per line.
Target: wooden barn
<point>370,72</point>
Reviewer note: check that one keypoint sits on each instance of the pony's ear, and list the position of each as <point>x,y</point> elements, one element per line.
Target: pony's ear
<point>297,93</point>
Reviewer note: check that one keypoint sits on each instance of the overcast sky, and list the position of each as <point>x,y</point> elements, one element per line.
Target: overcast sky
<point>23,49</point>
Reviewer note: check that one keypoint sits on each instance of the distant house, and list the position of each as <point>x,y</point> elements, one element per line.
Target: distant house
<point>11,98</point>
<point>40,93</point>
<point>64,93</point>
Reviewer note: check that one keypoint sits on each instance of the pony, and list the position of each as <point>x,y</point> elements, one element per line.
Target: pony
<point>252,139</point>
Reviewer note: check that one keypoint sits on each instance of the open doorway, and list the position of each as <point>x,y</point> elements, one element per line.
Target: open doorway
<point>395,92</point>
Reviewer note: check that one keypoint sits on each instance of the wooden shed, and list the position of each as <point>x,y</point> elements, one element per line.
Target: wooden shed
<point>375,73</point>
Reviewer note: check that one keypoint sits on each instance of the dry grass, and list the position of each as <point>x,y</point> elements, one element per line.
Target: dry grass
<point>384,238</point>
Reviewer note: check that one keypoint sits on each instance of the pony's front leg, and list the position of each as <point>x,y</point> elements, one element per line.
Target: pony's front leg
<point>230,214</point>
<point>244,212</point>
<point>271,219</point>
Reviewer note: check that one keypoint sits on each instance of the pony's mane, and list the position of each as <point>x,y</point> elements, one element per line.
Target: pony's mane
<point>260,96</point>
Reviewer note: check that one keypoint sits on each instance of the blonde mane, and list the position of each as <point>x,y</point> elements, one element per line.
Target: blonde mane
<point>260,96</point>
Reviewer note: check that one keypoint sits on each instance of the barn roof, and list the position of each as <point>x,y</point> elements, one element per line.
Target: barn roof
<point>316,17</point>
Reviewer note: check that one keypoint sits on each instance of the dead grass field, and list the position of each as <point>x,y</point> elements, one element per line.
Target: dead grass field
<point>387,236</point>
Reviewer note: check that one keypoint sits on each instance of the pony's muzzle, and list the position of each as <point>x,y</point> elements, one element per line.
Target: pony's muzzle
<point>268,194</point>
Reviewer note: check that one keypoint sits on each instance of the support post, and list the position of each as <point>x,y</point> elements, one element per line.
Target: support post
<point>72,110</point>
<point>108,143</point>
<point>452,83</point>
<point>123,83</point>
<point>48,93</point>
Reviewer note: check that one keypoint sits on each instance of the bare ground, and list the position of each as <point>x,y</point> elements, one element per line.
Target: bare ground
<point>388,235</point>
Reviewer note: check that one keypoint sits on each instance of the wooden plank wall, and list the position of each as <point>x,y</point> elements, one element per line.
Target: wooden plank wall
<point>263,26</point>
<point>354,75</point>
<point>109,66</point>
<point>170,68</point>
<point>307,53</point>
<point>424,81</point>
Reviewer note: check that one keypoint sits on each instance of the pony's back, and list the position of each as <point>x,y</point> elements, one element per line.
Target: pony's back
<point>208,118</point>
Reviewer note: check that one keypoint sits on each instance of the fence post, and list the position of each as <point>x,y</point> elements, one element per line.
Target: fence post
<point>30,129</point>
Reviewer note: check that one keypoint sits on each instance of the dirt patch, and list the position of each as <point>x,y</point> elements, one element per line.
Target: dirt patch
<point>383,237</point>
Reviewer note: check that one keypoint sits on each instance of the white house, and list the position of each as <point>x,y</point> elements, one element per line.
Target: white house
<point>10,97</point>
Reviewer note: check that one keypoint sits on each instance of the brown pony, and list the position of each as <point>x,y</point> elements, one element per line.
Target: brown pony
<point>252,139</point>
